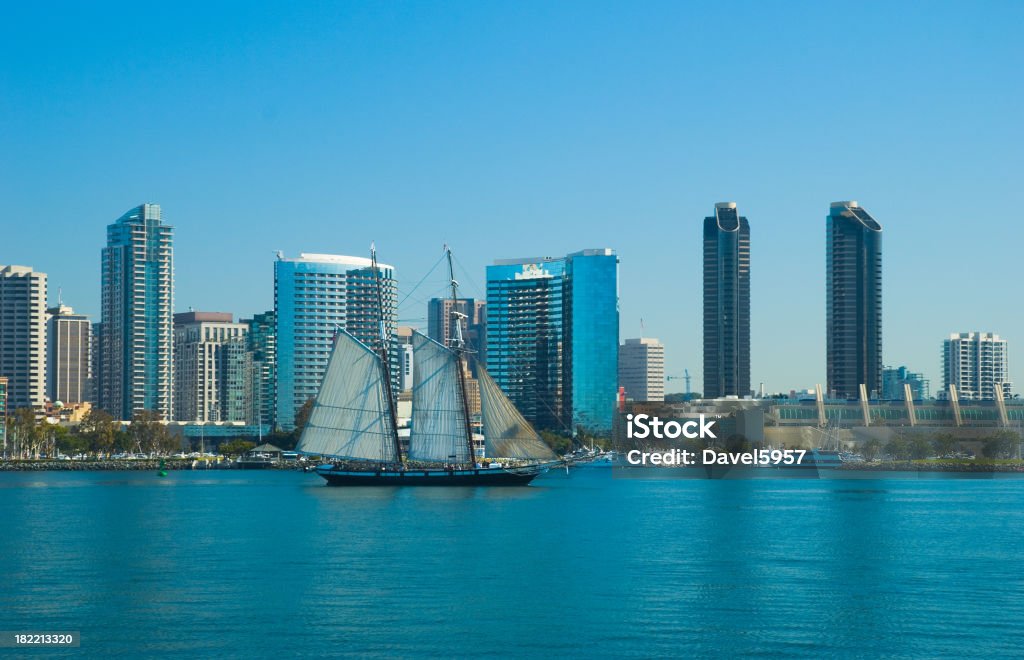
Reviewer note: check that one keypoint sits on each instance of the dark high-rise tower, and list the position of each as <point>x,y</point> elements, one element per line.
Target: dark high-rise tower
<point>726,303</point>
<point>854,314</point>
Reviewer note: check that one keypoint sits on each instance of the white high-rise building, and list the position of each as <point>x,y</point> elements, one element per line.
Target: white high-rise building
<point>642,369</point>
<point>976,362</point>
<point>23,336</point>
<point>314,296</point>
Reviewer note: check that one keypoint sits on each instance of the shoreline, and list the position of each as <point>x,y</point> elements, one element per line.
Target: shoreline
<point>136,465</point>
<point>911,466</point>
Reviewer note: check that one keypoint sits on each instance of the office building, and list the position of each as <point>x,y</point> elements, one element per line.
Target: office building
<point>212,373</point>
<point>853,275</point>
<point>977,363</point>
<point>726,303</point>
<point>68,347</point>
<point>403,338</point>
<point>314,295</point>
<point>553,338</point>
<point>23,336</point>
<point>261,342</point>
<point>893,380</point>
<point>642,369</point>
<point>137,329</point>
<point>474,325</point>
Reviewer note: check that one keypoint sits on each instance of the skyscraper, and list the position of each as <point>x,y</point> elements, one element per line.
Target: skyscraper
<point>23,336</point>
<point>136,334</point>
<point>726,303</point>
<point>854,308</point>
<point>893,380</point>
<point>210,379</point>
<point>642,369</point>
<point>314,295</point>
<point>474,326</point>
<point>261,342</point>
<point>976,362</point>
<point>68,345</point>
<point>553,337</point>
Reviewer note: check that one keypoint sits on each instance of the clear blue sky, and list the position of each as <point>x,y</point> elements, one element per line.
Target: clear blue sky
<point>533,128</point>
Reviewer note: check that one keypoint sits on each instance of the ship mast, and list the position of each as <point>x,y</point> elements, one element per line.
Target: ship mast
<point>384,359</point>
<point>458,347</point>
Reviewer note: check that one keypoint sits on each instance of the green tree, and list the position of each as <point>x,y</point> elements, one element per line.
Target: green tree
<point>150,434</point>
<point>26,436</point>
<point>871,449</point>
<point>301,419</point>
<point>899,449</point>
<point>53,437</point>
<point>1001,444</point>
<point>944,444</point>
<point>235,447</point>
<point>71,443</point>
<point>100,430</point>
<point>919,447</point>
<point>559,443</point>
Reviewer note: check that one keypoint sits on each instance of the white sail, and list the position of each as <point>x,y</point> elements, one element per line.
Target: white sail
<point>507,434</point>
<point>350,417</point>
<point>438,413</point>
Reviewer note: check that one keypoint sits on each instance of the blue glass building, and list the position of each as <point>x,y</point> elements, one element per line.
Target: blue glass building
<point>314,295</point>
<point>553,338</point>
<point>136,334</point>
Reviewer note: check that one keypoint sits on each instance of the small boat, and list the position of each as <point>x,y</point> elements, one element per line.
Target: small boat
<point>353,422</point>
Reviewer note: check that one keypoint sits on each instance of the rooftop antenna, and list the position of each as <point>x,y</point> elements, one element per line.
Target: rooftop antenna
<point>641,327</point>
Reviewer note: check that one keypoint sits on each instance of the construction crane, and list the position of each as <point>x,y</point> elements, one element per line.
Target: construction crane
<point>686,377</point>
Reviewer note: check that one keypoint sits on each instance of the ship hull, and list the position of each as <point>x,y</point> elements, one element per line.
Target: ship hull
<point>482,477</point>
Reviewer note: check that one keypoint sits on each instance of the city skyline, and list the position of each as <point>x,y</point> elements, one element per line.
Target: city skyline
<point>609,146</point>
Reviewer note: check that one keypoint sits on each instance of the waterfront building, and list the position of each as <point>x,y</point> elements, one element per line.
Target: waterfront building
<point>212,375</point>
<point>854,301</point>
<point>977,363</point>
<point>553,338</point>
<point>893,380</point>
<point>314,295</point>
<point>68,346</point>
<point>405,358</point>
<point>261,343</point>
<point>642,369</point>
<point>726,303</point>
<point>474,325</point>
<point>23,335</point>
<point>137,332</point>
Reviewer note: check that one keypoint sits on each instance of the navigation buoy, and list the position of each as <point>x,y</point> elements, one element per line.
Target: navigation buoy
<point>162,472</point>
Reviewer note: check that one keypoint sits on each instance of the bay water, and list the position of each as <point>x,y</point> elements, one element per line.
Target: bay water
<point>236,563</point>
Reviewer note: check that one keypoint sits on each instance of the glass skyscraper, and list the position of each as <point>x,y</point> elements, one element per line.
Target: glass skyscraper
<point>314,295</point>
<point>137,329</point>
<point>553,338</point>
<point>726,303</point>
<point>854,307</point>
<point>262,344</point>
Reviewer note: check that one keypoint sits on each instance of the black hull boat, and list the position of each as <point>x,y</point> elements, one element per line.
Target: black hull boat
<point>353,425</point>
<point>336,476</point>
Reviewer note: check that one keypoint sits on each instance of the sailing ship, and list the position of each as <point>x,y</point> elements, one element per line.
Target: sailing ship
<point>354,424</point>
